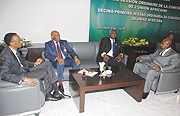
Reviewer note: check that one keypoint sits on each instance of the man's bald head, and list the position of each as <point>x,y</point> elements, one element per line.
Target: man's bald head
<point>166,43</point>
<point>55,35</point>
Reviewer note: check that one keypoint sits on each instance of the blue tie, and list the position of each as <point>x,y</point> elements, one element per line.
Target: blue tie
<point>113,48</point>
<point>19,58</point>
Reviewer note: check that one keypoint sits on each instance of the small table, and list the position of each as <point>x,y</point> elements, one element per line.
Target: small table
<point>121,78</point>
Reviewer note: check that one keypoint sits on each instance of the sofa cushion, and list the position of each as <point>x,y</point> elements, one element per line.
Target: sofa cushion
<point>85,50</point>
<point>87,63</point>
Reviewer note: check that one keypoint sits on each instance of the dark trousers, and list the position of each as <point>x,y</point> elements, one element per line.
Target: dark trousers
<point>43,71</point>
<point>113,63</point>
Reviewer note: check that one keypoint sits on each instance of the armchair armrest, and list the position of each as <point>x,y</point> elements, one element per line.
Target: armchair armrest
<point>19,99</point>
<point>124,59</point>
<point>176,70</point>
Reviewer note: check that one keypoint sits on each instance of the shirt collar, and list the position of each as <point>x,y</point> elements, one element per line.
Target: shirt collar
<point>54,41</point>
<point>167,49</point>
<point>14,51</point>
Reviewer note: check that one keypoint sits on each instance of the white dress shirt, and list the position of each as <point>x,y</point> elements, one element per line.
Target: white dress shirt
<point>110,53</point>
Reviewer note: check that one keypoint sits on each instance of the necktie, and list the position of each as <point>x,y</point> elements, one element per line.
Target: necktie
<point>19,59</point>
<point>113,48</point>
<point>161,53</point>
<point>59,51</point>
<point>25,68</point>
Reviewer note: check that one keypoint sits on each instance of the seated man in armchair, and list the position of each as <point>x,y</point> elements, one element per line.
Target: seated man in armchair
<point>110,50</point>
<point>164,58</point>
<point>57,51</point>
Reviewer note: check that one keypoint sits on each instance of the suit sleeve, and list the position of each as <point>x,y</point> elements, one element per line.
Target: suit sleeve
<point>172,63</point>
<point>151,56</point>
<point>102,46</point>
<point>6,70</point>
<point>47,53</point>
<point>121,50</point>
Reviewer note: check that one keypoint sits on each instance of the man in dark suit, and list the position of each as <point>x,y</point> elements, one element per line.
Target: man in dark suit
<point>57,51</point>
<point>110,50</point>
<point>15,69</point>
<point>164,58</point>
<point>171,37</point>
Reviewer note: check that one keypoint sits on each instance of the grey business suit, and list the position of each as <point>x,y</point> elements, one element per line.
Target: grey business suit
<point>145,69</point>
<point>10,69</point>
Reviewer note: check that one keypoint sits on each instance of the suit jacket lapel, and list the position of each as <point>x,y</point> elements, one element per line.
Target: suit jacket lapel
<point>14,57</point>
<point>169,52</point>
<point>116,47</point>
<point>61,46</point>
<point>54,49</point>
<point>110,46</point>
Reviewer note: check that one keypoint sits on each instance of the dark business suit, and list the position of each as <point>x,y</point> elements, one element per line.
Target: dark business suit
<point>167,62</point>
<point>51,53</point>
<point>105,46</point>
<point>10,69</point>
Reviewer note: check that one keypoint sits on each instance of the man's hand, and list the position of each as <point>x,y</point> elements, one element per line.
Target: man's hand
<point>119,57</point>
<point>157,68</point>
<point>138,58</point>
<point>106,57</point>
<point>38,61</point>
<point>30,81</point>
<point>60,60</point>
<point>77,60</point>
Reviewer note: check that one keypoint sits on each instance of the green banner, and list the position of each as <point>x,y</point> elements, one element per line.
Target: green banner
<point>148,19</point>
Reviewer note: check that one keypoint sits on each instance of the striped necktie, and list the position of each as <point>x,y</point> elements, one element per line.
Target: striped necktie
<point>59,51</point>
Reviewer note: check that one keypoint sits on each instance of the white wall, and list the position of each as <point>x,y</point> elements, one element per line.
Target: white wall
<point>35,19</point>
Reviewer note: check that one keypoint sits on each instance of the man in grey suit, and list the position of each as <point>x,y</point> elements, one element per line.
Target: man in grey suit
<point>164,58</point>
<point>15,69</point>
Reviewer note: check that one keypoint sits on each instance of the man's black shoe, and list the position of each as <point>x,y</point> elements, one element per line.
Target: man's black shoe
<point>50,97</point>
<point>145,95</point>
<point>57,94</point>
<point>61,88</point>
<point>65,96</point>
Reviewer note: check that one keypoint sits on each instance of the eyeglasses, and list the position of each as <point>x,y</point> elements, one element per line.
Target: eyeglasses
<point>16,41</point>
<point>19,41</point>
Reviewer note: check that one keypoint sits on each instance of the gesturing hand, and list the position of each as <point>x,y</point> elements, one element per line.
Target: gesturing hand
<point>30,81</point>
<point>38,61</point>
<point>138,58</point>
<point>77,60</point>
<point>60,60</point>
<point>106,57</point>
<point>157,68</point>
<point>119,57</point>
